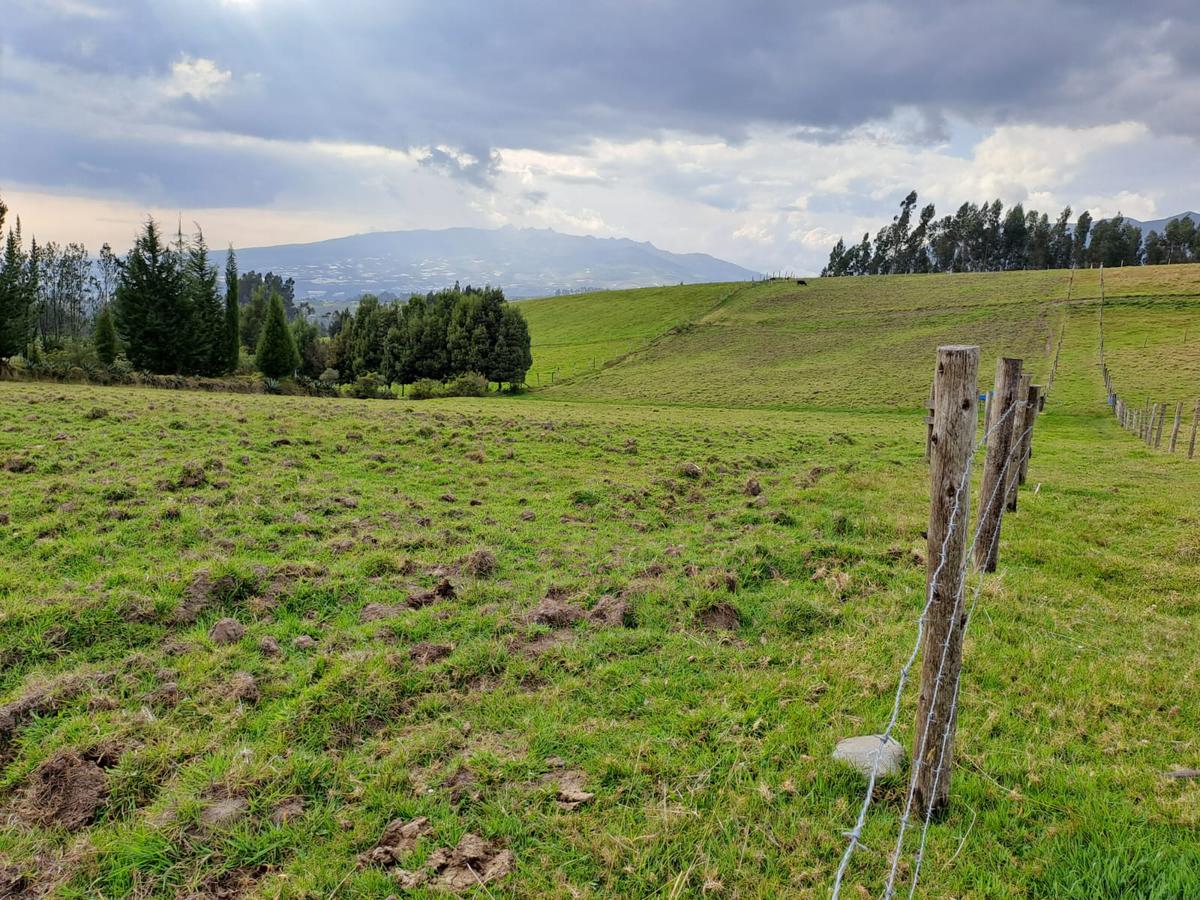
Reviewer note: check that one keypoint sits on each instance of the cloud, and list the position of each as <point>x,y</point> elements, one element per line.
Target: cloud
<point>756,132</point>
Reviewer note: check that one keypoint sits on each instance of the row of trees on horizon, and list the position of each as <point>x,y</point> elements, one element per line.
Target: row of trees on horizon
<point>164,309</point>
<point>985,238</point>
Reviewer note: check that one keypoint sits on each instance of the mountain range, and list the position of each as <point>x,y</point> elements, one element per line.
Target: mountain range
<point>525,262</point>
<point>1159,224</point>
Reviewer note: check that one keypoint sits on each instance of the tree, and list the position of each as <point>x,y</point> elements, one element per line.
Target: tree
<point>104,337</point>
<point>309,347</point>
<point>207,325</point>
<point>276,356</point>
<point>1079,245</point>
<point>16,292</point>
<point>151,305</point>
<point>231,338</point>
<point>512,356</point>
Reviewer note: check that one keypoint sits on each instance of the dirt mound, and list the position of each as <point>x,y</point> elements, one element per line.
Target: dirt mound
<point>752,488</point>
<point>203,591</point>
<point>425,652</point>
<point>613,611</point>
<point>244,688</point>
<point>226,631</point>
<point>554,612</point>
<point>374,612</point>
<point>721,617</point>
<point>66,791</point>
<point>480,564</point>
<point>444,590</point>
<point>473,862</point>
<point>398,838</point>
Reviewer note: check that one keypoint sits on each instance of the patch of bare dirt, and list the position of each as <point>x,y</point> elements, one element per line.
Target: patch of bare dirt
<point>480,564</point>
<point>203,591</point>
<point>398,838</point>
<point>463,786</point>
<point>226,631</point>
<point>473,862</point>
<point>286,810</point>
<point>611,611</point>
<point>244,688</point>
<point>229,885</point>
<point>443,590</point>
<point>752,488</point>
<point>424,653</point>
<point>374,612</point>
<point>720,617</point>
<point>555,612</point>
<point>67,791</point>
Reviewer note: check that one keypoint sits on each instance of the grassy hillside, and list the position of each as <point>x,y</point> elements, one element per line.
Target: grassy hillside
<point>863,343</point>
<point>615,642</point>
<point>579,333</point>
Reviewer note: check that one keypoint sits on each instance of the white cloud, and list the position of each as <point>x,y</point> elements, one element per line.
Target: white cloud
<point>196,77</point>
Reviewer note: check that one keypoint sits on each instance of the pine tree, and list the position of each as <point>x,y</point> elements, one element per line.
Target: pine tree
<point>17,293</point>
<point>207,336</point>
<point>151,306</point>
<point>512,356</point>
<point>232,335</point>
<point>276,356</point>
<point>104,337</point>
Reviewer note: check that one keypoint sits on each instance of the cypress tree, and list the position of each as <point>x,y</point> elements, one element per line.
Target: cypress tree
<point>207,336</point>
<point>232,337</point>
<point>17,290</point>
<point>104,337</point>
<point>277,356</point>
<point>151,306</point>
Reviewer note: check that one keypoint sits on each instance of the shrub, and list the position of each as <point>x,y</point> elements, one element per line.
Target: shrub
<point>367,387</point>
<point>424,389</point>
<point>468,384</point>
<point>330,376</point>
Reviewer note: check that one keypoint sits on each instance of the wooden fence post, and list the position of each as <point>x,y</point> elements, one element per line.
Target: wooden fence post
<point>1031,415</point>
<point>1162,415</point>
<point>1175,427</point>
<point>991,497</point>
<point>929,418</point>
<point>1195,422</point>
<point>987,416</point>
<point>1021,418</point>
<point>955,418</point>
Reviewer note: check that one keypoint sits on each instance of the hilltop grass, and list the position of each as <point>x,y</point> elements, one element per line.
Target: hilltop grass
<point>707,749</point>
<point>862,343</point>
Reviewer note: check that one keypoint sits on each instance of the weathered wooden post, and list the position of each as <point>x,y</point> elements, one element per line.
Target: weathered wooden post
<point>1195,423</point>
<point>929,418</point>
<point>1162,415</point>
<point>987,416</point>
<point>1175,427</point>
<point>1031,415</point>
<point>1021,422</point>
<point>991,497</point>
<point>955,419</point>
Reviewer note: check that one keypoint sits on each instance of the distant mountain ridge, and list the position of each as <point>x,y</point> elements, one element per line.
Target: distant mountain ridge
<point>1159,224</point>
<point>525,262</point>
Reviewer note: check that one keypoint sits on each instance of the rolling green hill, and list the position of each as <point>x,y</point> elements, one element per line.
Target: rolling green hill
<point>862,343</point>
<point>287,647</point>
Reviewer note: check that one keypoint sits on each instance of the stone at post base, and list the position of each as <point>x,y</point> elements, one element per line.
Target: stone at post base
<point>860,752</point>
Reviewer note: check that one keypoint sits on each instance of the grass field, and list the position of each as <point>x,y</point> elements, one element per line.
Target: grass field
<point>532,621</point>
<point>864,343</point>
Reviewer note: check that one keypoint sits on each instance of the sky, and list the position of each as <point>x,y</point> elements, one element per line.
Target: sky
<point>756,131</point>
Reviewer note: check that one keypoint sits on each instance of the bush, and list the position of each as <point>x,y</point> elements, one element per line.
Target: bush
<point>424,389</point>
<point>468,384</point>
<point>330,376</point>
<point>367,387</point>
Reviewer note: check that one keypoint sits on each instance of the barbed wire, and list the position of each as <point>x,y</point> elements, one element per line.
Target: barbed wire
<point>855,834</point>
<point>919,758</point>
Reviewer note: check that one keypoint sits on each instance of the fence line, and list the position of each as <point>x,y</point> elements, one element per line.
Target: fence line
<point>1148,421</point>
<point>855,834</point>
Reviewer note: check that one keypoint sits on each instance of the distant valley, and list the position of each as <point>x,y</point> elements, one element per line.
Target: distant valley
<point>525,262</point>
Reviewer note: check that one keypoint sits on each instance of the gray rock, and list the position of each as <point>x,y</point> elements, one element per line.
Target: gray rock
<point>860,752</point>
